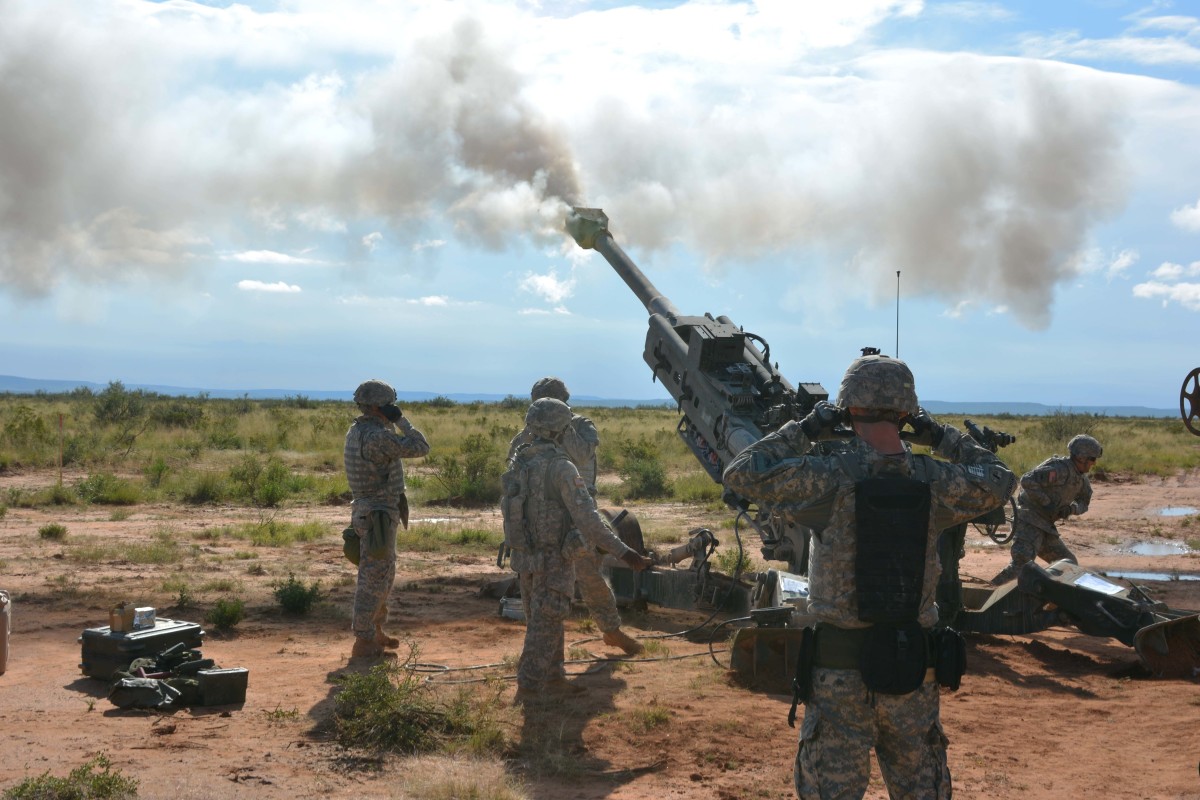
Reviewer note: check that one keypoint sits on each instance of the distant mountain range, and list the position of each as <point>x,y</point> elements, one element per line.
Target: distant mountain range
<point>10,384</point>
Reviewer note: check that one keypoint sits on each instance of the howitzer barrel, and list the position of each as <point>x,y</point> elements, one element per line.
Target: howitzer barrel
<point>589,228</point>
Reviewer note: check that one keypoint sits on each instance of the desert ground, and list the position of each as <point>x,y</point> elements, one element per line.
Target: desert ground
<point>1054,714</point>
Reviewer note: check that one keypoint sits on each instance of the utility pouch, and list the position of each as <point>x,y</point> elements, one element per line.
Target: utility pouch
<point>894,658</point>
<point>949,657</point>
<point>380,541</point>
<point>802,680</point>
<point>574,546</point>
<point>350,545</point>
<point>404,510</point>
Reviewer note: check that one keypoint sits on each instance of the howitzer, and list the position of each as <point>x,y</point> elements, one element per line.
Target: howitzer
<point>721,377</point>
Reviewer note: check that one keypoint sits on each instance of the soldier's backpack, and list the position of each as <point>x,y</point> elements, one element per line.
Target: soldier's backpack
<point>514,494</point>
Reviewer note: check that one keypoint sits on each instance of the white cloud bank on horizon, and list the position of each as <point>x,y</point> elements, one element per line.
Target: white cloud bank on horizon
<point>279,287</point>
<point>143,135</point>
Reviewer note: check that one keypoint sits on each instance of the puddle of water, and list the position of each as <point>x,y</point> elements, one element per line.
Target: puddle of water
<point>1157,549</point>
<point>1176,511</point>
<point>1152,576</point>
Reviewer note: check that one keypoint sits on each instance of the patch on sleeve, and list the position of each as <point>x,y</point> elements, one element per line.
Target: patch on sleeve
<point>579,484</point>
<point>977,471</point>
<point>1052,476</point>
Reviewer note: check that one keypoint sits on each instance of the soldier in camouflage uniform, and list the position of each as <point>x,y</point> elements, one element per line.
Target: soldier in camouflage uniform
<point>581,440</point>
<point>1054,490</point>
<point>376,476</point>
<point>561,522</point>
<point>844,718</point>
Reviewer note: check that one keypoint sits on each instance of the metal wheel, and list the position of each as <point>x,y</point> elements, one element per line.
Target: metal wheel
<point>1189,401</point>
<point>1000,532</point>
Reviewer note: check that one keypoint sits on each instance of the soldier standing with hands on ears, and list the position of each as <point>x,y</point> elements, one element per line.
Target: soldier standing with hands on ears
<point>876,509</point>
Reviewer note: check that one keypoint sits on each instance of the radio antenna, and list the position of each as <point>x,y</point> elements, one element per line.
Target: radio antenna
<point>897,313</point>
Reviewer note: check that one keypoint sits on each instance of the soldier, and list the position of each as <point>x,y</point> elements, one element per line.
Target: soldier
<point>559,521</point>
<point>877,510</point>
<point>581,440</point>
<point>1053,490</point>
<point>376,476</point>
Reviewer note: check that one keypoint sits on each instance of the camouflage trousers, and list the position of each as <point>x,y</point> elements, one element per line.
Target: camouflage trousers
<point>547,601</point>
<point>843,721</point>
<point>596,592</point>
<point>376,574</point>
<point>1030,542</point>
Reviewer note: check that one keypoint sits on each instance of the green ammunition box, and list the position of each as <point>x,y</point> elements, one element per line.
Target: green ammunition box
<point>219,687</point>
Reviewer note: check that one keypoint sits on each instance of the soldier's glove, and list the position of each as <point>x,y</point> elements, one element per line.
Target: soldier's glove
<point>1074,509</point>
<point>926,430</point>
<point>821,420</point>
<point>635,561</point>
<point>392,412</point>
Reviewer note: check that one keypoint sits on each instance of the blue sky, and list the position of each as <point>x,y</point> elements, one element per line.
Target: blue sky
<point>301,195</point>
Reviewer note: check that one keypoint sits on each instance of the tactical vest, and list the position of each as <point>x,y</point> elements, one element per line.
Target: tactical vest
<point>892,539</point>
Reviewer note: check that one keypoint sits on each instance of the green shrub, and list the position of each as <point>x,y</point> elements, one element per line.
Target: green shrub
<point>84,783</point>
<point>473,475</point>
<point>642,470</point>
<point>205,487</point>
<point>156,471</point>
<point>392,708</point>
<point>295,597</point>
<point>104,488</point>
<point>226,614</point>
<point>53,531</point>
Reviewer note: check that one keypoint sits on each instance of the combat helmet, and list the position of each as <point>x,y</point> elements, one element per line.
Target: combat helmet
<point>1084,446</point>
<point>548,417</point>
<point>374,393</point>
<point>550,387</point>
<point>878,382</point>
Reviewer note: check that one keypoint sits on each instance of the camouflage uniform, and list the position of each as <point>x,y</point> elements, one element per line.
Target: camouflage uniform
<point>843,720</point>
<point>376,476</point>
<point>580,441</point>
<point>563,522</point>
<point>1051,491</point>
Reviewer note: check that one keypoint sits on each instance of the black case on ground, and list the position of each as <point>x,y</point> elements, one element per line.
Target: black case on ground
<point>105,652</point>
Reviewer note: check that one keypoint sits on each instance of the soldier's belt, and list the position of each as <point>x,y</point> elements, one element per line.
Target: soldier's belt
<point>841,648</point>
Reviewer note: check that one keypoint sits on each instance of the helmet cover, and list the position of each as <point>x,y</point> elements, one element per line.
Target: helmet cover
<point>1084,446</point>
<point>550,387</point>
<point>878,382</point>
<point>374,393</point>
<point>548,417</point>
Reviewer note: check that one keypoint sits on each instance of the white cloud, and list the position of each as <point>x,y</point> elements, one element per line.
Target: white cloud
<point>428,244</point>
<point>439,300</point>
<point>1157,51</point>
<point>548,287</point>
<point>1123,261</point>
<point>958,310</point>
<point>1187,217</point>
<point>268,257</point>
<point>971,11</point>
<point>259,286</point>
<point>1186,294</point>
<point>371,241</point>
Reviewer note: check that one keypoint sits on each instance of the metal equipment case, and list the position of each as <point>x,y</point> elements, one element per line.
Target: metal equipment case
<point>105,652</point>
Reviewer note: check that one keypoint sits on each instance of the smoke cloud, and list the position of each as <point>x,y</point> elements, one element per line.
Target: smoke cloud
<point>142,138</point>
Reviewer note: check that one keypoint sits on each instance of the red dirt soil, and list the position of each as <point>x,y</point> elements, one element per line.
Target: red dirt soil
<point>1050,715</point>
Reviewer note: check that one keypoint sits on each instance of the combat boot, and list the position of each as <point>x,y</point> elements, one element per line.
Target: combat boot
<point>366,648</point>
<point>385,641</point>
<point>619,638</point>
